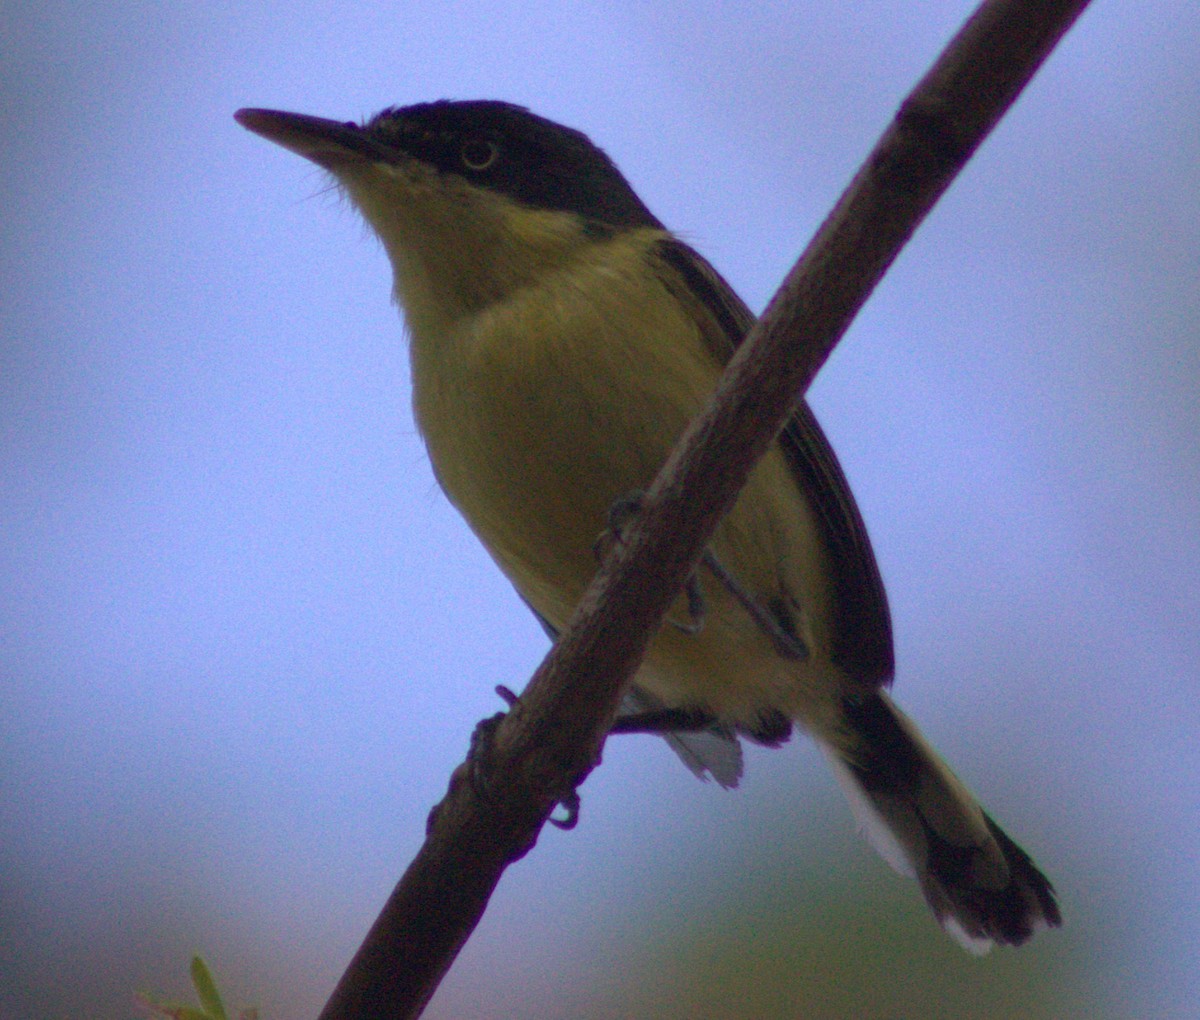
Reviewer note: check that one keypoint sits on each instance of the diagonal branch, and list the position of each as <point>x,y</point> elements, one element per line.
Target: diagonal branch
<point>552,739</point>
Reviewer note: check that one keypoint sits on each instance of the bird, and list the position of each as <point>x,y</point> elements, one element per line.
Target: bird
<point>561,338</point>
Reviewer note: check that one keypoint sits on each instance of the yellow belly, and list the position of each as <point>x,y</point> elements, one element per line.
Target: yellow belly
<point>535,430</point>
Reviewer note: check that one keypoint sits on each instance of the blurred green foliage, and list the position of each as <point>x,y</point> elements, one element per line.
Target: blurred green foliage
<point>841,937</point>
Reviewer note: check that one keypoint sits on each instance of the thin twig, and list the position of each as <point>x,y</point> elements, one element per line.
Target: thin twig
<point>552,739</point>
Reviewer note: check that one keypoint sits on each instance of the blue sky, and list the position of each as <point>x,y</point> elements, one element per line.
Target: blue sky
<point>243,638</point>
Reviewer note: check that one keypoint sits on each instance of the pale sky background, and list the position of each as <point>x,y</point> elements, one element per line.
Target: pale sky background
<point>244,639</point>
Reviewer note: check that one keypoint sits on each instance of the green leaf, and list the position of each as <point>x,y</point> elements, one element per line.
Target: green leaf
<point>206,988</point>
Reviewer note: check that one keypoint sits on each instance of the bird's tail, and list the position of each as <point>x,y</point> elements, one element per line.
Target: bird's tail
<point>983,888</point>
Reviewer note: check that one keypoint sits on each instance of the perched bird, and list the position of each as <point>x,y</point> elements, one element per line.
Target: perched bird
<point>561,340</point>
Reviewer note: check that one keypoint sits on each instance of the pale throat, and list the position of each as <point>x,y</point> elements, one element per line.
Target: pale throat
<point>455,249</point>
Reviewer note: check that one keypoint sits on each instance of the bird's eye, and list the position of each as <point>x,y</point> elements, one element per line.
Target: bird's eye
<point>479,153</point>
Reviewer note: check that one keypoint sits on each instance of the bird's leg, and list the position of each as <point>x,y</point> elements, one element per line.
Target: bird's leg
<point>665,720</point>
<point>620,514</point>
<point>477,768</point>
<point>788,645</point>
<point>479,765</point>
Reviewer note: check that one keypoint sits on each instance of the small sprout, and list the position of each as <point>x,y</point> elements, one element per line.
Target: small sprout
<point>211,1006</point>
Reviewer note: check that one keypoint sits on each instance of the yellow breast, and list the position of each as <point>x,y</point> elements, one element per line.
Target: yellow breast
<point>542,410</point>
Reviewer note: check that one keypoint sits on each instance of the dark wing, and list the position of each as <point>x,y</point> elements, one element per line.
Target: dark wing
<point>861,627</point>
